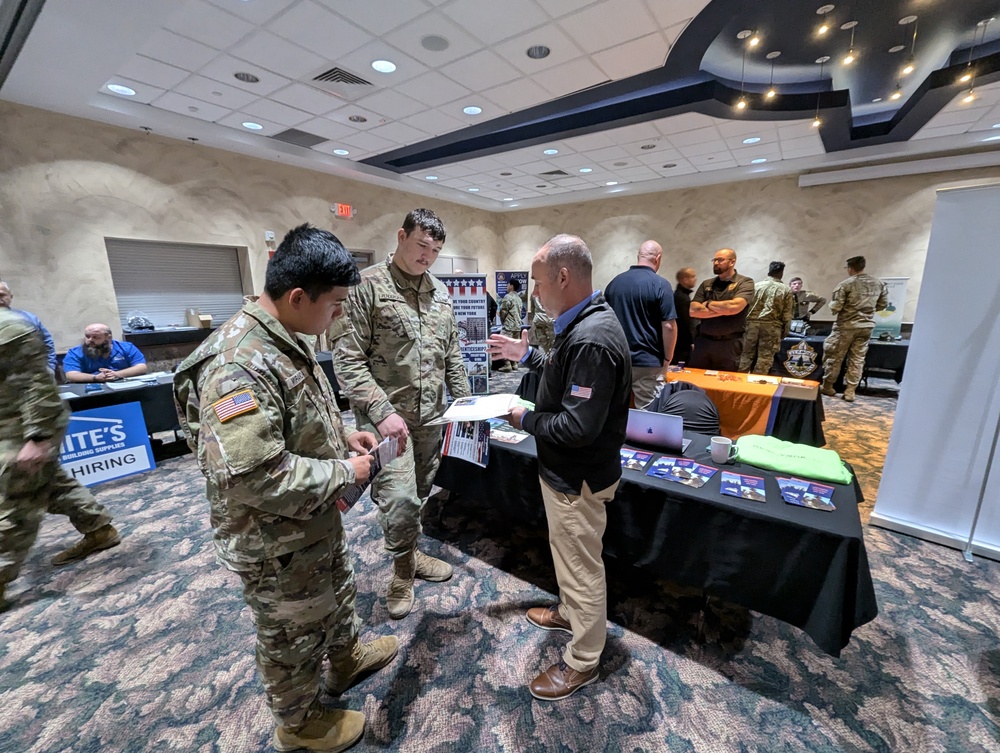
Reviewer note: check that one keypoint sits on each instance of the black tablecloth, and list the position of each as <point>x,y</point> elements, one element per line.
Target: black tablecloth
<point>805,567</point>
<point>885,356</point>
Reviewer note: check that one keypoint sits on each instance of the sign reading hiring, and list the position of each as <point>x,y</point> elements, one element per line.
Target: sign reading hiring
<point>106,443</point>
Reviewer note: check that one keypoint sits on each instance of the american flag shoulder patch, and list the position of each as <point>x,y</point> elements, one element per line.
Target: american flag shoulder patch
<point>583,393</point>
<point>235,405</point>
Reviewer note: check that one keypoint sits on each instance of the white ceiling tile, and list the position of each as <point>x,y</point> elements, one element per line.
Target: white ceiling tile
<point>152,72</point>
<point>747,156</point>
<point>178,51</point>
<point>812,141</point>
<point>744,128</point>
<point>369,143</point>
<point>606,154</point>
<point>518,157</point>
<point>709,163</point>
<point>637,132</point>
<point>705,147</point>
<point>143,92</point>
<point>608,24</point>
<point>400,133</point>
<point>391,104</point>
<point>492,22</point>
<point>236,120</point>
<point>481,71</point>
<point>796,130</point>
<point>257,12</point>
<point>614,166</point>
<point>962,117</point>
<point>451,182</point>
<point>930,133</point>
<point>574,182</point>
<point>698,136</point>
<point>571,162</point>
<point>680,167</point>
<point>642,148</point>
<point>637,173</point>
<point>517,95</point>
<point>409,40</point>
<point>434,90</point>
<point>526,181</point>
<point>215,93</point>
<point>344,114</point>
<point>537,167</point>
<point>687,121</point>
<point>320,31</point>
<point>484,164</point>
<point>662,153</point>
<point>327,147</point>
<point>591,141</point>
<point>676,11</point>
<point>183,105</point>
<point>455,171</point>
<point>376,17</point>
<point>434,122</point>
<point>276,112</point>
<point>791,154</point>
<point>570,77</point>
<point>303,97</point>
<point>208,24</point>
<point>224,68</point>
<point>327,128</point>
<point>766,137</point>
<point>631,58</point>
<point>361,61</point>
<point>561,47</point>
<point>273,53</point>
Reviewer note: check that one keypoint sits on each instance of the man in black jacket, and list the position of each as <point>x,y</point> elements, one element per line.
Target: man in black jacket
<point>581,410</point>
<point>686,281</point>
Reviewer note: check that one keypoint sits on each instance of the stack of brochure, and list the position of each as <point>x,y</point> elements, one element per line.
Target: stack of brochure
<point>682,470</point>
<point>742,486</point>
<point>634,460</point>
<point>385,453</point>
<point>796,491</point>
<point>502,431</point>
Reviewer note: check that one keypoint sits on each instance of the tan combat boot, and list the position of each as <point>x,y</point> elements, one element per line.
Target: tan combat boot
<point>358,661</point>
<point>400,597</point>
<point>827,389</point>
<point>327,731</point>
<point>104,537</point>
<point>431,568</point>
<point>849,395</point>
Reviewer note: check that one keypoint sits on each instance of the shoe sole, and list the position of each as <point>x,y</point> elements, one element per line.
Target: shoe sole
<point>434,578</point>
<point>336,749</point>
<point>591,681</point>
<point>548,627</point>
<point>103,547</point>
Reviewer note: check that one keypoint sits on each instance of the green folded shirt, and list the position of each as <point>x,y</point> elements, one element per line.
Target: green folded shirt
<point>798,460</point>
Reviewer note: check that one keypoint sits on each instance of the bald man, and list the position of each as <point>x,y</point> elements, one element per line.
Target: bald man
<point>720,304</point>
<point>644,305</point>
<point>101,358</point>
<point>687,279</point>
<point>6,299</point>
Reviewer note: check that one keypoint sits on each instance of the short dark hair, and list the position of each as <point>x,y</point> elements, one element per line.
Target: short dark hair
<point>776,269</point>
<point>427,221</point>
<point>514,284</point>
<point>857,263</point>
<point>312,259</point>
<point>796,278</point>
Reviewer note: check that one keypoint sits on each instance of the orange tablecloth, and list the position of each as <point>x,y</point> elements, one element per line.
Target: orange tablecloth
<point>744,407</point>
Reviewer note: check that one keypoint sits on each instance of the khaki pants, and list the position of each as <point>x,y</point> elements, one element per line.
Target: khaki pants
<point>576,533</point>
<point>645,380</point>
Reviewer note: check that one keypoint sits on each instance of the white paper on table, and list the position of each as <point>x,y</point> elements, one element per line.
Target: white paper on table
<point>479,408</point>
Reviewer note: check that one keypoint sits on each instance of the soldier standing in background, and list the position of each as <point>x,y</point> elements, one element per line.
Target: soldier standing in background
<point>768,320</point>
<point>542,326</point>
<point>510,316</point>
<point>394,361</point>
<point>260,415</point>
<point>855,302</point>
<point>807,303</point>
<point>33,420</point>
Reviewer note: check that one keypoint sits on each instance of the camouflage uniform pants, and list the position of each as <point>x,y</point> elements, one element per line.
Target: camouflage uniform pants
<point>761,341</point>
<point>401,489</point>
<point>24,500</point>
<point>851,342</point>
<point>303,604</point>
<point>542,333</point>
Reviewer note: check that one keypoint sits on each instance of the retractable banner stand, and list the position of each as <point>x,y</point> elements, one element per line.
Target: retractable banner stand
<point>468,296</point>
<point>503,278</point>
<point>104,444</point>
<point>940,482</point>
<point>891,319</point>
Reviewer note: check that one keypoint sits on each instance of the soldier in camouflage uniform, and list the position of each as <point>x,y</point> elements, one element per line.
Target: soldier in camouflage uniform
<point>768,321</point>
<point>510,316</point>
<point>543,332</point>
<point>394,361</point>
<point>259,413</point>
<point>33,420</point>
<point>855,302</point>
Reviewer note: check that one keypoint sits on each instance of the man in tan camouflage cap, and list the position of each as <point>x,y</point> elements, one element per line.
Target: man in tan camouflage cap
<point>394,361</point>
<point>260,414</point>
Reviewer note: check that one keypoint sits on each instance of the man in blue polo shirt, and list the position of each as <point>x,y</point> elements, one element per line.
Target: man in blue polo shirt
<point>101,358</point>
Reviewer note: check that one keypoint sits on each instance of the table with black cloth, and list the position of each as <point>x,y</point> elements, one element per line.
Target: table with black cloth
<point>883,355</point>
<point>806,567</point>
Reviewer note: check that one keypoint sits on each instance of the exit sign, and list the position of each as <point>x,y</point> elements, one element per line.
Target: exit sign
<point>343,211</point>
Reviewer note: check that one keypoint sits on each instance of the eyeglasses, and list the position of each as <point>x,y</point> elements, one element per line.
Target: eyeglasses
<point>716,259</point>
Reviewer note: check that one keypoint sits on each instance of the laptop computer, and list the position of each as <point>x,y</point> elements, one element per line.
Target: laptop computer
<point>659,430</point>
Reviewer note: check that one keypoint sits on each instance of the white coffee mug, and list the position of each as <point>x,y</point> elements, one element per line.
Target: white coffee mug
<point>723,450</point>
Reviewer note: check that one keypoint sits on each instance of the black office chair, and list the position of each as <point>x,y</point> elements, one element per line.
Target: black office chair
<point>690,402</point>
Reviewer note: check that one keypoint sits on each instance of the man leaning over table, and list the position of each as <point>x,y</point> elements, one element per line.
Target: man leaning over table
<point>579,419</point>
<point>101,358</point>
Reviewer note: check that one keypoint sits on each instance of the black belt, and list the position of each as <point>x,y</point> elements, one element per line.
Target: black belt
<point>734,336</point>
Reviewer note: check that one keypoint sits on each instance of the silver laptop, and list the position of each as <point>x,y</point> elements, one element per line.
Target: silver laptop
<point>659,430</point>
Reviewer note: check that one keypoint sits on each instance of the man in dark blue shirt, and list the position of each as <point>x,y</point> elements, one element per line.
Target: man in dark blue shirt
<point>6,298</point>
<point>644,304</point>
<point>101,358</point>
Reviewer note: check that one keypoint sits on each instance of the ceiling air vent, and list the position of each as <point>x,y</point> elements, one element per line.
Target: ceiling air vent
<point>299,138</point>
<point>340,76</point>
<point>341,82</point>
<point>554,174</point>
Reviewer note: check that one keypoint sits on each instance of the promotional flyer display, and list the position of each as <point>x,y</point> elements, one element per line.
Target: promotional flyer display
<point>468,296</point>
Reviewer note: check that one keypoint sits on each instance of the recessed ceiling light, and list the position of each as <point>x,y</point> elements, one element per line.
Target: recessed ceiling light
<point>824,9</point>
<point>473,190</point>
<point>621,164</point>
<point>513,205</point>
<point>848,25</point>
<point>537,51</point>
<point>430,177</point>
<point>992,138</point>
<point>907,20</point>
<point>823,59</point>
<point>551,151</point>
<point>253,126</point>
<point>966,77</point>
<point>647,147</point>
<point>123,90</point>
<point>995,125</point>
<point>969,97</point>
<point>669,165</point>
<point>752,140</point>
<point>358,119</point>
<point>758,161</point>
<point>341,152</point>
<point>246,78</point>
<point>472,110</point>
<point>542,185</point>
<point>434,43</point>
<point>505,175</point>
<point>383,66</point>
<point>508,198</point>
<point>611,183</point>
<point>897,48</point>
<point>586,169</point>
<point>192,108</point>
<point>877,99</point>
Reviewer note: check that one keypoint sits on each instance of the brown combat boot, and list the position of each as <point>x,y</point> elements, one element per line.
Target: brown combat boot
<point>104,537</point>
<point>358,661</point>
<point>430,568</point>
<point>849,395</point>
<point>827,389</point>
<point>399,600</point>
<point>327,731</point>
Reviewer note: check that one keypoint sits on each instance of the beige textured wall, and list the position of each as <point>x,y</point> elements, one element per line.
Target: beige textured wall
<point>67,183</point>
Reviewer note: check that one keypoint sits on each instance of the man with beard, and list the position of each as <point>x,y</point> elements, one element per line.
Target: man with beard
<point>101,358</point>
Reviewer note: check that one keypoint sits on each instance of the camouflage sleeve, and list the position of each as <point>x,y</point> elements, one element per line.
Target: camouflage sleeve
<point>510,314</point>
<point>839,299</point>
<point>788,312</point>
<point>883,297</point>
<point>455,375</point>
<point>25,366</point>
<point>242,448</point>
<point>351,356</point>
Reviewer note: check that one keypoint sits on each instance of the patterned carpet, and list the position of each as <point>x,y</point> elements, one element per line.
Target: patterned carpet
<point>148,647</point>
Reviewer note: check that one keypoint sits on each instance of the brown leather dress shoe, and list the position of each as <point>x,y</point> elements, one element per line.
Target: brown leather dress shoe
<point>561,681</point>
<point>548,618</point>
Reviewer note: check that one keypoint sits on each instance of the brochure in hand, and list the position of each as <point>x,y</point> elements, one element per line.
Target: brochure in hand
<point>469,441</point>
<point>682,470</point>
<point>385,453</point>
<point>634,460</point>
<point>502,431</point>
<point>796,491</point>
<point>744,487</point>
<point>481,407</point>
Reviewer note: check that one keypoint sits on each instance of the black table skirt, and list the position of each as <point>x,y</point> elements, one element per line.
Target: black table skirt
<point>882,356</point>
<point>805,567</point>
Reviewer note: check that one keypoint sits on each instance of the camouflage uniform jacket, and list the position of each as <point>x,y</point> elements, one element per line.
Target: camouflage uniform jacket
<point>401,348</point>
<point>510,314</point>
<point>773,302</point>
<point>274,458</point>
<point>807,303</point>
<point>856,300</point>
<point>30,407</point>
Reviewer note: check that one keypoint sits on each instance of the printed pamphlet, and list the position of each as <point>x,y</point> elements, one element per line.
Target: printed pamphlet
<point>481,407</point>
<point>796,491</point>
<point>744,487</point>
<point>682,470</point>
<point>468,440</point>
<point>634,460</point>
<point>502,431</point>
<point>385,453</point>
